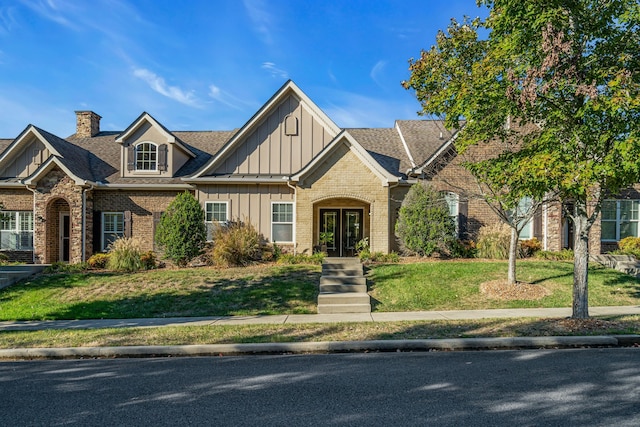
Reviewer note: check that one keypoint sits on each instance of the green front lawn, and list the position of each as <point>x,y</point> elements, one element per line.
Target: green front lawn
<point>292,289</point>
<point>455,285</point>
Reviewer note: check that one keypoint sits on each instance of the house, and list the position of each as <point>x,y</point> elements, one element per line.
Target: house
<point>290,171</point>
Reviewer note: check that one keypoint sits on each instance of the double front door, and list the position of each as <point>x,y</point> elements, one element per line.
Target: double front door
<point>340,230</point>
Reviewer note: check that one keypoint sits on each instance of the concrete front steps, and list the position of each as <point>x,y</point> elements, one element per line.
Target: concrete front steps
<point>10,274</point>
<point>343,287</point>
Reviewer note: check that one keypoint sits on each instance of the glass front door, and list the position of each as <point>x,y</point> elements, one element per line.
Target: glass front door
<point>339,231</point>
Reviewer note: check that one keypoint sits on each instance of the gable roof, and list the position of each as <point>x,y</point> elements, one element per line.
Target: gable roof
<point>147,118</point>
<point>288,88</point>
<point>72,158</point>
<point>345,138</point>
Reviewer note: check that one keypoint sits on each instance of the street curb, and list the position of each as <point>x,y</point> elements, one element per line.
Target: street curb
<point>451,344</point>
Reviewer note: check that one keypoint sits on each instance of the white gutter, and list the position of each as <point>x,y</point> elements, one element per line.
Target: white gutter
<point>145,186</point>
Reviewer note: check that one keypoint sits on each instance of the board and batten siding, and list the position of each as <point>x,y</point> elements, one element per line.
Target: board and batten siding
<point>247,202</point>
<point>269,151</point>
<point>26,161</point>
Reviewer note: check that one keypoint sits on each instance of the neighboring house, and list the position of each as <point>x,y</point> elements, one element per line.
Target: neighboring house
<point>290,171</point>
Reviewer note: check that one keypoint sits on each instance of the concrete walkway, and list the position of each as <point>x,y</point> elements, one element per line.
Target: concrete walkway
<point>311,318</point>
<point>308,347</point>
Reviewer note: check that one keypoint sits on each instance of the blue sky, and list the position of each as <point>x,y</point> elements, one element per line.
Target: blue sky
<point>210,64</point>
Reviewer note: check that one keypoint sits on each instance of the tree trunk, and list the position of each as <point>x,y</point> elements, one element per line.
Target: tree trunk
<point>513,254</point>
<point>581,262</point>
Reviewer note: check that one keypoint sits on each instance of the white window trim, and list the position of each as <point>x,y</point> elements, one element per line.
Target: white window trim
<point>453,200</point>
<point>220,202</point>
<point>17,229</point>
<point>207,203</point>
<point>135,155</point>
<point>293,221</point>
<point>617,220</point>
<point>102,230</point>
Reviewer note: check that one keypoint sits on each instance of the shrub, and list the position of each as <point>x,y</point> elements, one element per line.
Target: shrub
<point>63,267</point>
<point>98,261</point>
<point>3,258</point>
<point>315,258</point>
<point>181,232</point>
<point>528,248</point>
<point>424,225</point>
<point>238,243</point>
<point>125,254</point>
<point>494,241</point>
<point>363,250</point>
<point>563,255</point>
<point>630,246</point>
<point>463,249</point>
<point>148,260</point>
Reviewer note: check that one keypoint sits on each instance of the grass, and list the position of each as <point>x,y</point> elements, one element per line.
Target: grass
<point>164,293</point>
<point>313,332</point>
<point>292,289</point>
<point>454,285</point>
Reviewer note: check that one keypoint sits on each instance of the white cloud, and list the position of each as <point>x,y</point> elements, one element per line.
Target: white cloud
<point>376,71</point>
<point>159,85</point>
<point>262,20</point>
<point>275,71</point>
<point>53,10</point>
<point>7,20</point>
<point>226,98</point>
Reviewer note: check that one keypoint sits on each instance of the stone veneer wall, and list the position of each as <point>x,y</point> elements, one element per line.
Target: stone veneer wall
<point>52,189</point>
<point>342,176</point>
<point>87,124</point>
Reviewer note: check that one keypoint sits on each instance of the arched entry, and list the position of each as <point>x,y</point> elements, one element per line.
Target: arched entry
<point>340,224</point>
<point>58,232</point>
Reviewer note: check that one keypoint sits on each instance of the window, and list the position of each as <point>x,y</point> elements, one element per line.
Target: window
<point>112,227</point>
<point>16,231</point>
<point>523,214</point>
<point>452,202</point>
<point>619,219</point>
<point>146,156</point>
<point>282,222</point>
<point>215,214</point>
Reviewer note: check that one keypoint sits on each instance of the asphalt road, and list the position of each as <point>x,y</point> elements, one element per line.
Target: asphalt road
<point>585,387</point>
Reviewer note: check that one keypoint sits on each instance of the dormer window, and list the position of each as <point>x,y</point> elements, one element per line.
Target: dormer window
<point>146,156</point>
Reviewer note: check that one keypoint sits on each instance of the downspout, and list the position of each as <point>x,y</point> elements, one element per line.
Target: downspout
<point>390,231</point>
<point>295,213</point>
<point>84,220</point>
<point>33,190</point>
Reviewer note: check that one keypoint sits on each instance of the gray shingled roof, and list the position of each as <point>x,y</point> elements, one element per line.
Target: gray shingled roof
<point>423,137</point>
<point>385,146</point>
<point>104,155</point>
<point>98,159</point>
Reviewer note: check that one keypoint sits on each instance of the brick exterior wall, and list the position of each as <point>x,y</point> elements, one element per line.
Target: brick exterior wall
<point>17,200</point>
<point>141,204</point>
<point>342,180</point>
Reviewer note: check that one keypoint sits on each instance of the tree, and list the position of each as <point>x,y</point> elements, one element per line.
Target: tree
<point>568,74</point>
<point>424,225</point>
<point>181,232</point>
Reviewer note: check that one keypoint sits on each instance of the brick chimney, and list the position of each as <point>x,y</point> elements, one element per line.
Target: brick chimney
<point>87,124</point>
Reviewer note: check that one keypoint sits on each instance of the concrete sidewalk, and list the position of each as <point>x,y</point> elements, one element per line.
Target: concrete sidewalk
<point>311,318</point>
<point>320,347</point>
